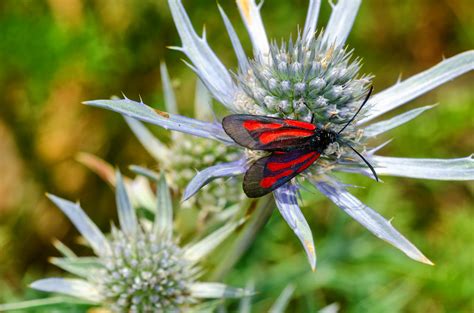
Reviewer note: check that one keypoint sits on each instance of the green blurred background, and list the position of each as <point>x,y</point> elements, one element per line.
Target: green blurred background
<point>55,54</point>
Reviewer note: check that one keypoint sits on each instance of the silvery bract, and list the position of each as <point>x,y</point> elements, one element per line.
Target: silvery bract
<point>139,267</point>
<point>187,154</point>
<point>313,75</point>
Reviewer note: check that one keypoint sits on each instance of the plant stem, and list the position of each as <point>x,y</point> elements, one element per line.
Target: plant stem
<point>260,211</point>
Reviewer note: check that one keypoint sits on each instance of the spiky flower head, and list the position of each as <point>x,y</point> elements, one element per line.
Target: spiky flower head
<point>307,80</point>
<point>143,274</point>
<point>139,267</point>
<point>303,80</point>
<point>312,77</point>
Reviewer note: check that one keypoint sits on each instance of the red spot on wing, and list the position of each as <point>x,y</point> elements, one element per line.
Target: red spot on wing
<point>256,125</point>
<point>300,124</point>
<point>308,163</point>
<point>277,166</point>
<point>268,137</point>
<point>267,182</point>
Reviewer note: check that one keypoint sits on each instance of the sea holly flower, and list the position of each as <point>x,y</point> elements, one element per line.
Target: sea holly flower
<point>139,267</point>
<point>186,154</point>
<point>312,76</point>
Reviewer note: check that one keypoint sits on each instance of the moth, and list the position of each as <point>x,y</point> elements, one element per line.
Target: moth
<point>293,146</point>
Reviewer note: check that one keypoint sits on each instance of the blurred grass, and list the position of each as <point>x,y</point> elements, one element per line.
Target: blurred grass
<point>57,53</point>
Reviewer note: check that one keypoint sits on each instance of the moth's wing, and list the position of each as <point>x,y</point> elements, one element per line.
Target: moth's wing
<point>267,133</point>
<point>273,171</point>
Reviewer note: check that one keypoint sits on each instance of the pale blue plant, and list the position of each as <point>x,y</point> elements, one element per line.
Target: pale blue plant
<point>139,267</point>
<point>311,76</point>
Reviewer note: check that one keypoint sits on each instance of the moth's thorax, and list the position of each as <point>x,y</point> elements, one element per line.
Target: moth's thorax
<point>322,139</point>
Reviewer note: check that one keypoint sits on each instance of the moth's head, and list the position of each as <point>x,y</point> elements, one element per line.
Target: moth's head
<point>324,138</point>
<point>331,136</point>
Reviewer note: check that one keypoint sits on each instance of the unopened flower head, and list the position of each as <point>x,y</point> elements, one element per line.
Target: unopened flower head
<point>313,78</point>
<point>185,155</point>
<point>191,154</point>
<point>139,267</point>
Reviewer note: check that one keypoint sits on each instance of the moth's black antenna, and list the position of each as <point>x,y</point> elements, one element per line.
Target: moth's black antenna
<point>360,108</point>
<point>366,162</point>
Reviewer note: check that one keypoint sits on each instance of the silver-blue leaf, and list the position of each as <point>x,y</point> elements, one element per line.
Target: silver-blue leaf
<point>169,121</point>
<point>386,125</point>
<point>440,169</point>
<point>418,84</point>
<point>287,203</point>
<point>126,212</point>
<point>209,174</point>
<point>83,223</point>
<point>370,219</point>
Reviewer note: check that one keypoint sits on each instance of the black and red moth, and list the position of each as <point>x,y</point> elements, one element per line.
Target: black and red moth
<point>293,145</point>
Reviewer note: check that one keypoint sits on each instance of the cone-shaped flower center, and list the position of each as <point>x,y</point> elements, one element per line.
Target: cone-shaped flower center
<point>306,81</point>
<point>145,274</point>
